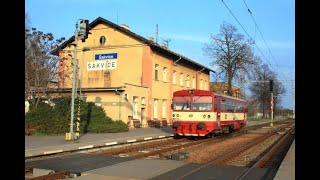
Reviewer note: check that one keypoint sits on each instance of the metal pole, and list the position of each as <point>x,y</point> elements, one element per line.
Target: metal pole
<point>81,73</point>
<point>74,80</point>
<point>293,101</point>
<point>77,82</point>
<point>271,123</point>
<point>119,106</point>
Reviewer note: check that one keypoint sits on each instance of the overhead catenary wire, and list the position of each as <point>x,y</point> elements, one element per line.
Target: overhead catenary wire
<point>256,25</point>
<point>248,35</point>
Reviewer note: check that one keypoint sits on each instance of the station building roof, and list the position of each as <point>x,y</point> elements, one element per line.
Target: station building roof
<point>152,44</point>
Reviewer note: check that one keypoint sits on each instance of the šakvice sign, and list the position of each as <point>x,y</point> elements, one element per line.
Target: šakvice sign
<point>101,65</point>
<point>106,56</point>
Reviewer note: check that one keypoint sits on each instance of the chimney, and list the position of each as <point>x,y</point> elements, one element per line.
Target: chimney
<point>151,39</point>
<point>124,26</point>
<point>164,45</point>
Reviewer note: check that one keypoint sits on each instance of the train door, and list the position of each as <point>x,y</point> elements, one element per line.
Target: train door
<point>217,108</point>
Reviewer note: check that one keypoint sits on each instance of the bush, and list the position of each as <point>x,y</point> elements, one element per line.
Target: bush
<point>56,120</point>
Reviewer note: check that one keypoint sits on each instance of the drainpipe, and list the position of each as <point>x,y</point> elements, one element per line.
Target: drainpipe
<point>201,70</point>
<point>175,63</point>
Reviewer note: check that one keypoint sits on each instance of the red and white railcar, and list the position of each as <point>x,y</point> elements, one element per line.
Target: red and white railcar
<point>204,113</point>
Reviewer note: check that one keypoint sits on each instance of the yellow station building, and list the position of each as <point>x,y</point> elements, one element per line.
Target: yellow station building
<point>130,76</point>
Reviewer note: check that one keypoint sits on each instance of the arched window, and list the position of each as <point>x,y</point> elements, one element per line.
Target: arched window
<point>155,109</point>
<point>156,71</point>
<point>164,108</point>
<point>164,78</point>
<point>174,78</point>
<point>188,83</point>
<point>181,79</point>
<point>193,82</point>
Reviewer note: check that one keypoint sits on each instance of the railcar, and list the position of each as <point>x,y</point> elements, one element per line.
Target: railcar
<point>205,113</point>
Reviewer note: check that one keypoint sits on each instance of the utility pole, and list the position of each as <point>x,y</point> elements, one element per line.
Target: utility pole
<point>271,102</point>
<point>83,35</point>
<point>70,136</point>
<point>157,35</point>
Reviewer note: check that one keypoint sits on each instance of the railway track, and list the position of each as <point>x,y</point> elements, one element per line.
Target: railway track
<point>167,148</point>
<point>262,162</point>
<point>160,148</point>
<point>232,155</point>
<point>130,145</point>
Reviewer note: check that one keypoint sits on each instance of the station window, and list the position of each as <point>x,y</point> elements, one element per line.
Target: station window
<point>200,84</point>
<point>188,81</point>
<point>135,107</point>
<point>164,108</point>
<point>174,81</point>
<point>155,109</point>
<point>156,71</point>
<point>193,82</point>
<point>181,79</point>
<point>102,40</point>
<point>164,74</point>
<point>143,100</point>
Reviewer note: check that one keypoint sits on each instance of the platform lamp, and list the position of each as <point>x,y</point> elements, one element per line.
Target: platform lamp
<point>77,134</point>
<point>80,34</point>
<point>84,49</point>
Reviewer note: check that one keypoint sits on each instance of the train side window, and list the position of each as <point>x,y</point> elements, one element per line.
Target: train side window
<point>215,104</point>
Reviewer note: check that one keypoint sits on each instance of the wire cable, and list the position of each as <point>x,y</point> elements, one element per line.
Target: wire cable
<point>256,25</point>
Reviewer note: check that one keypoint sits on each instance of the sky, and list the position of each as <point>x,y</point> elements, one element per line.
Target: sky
<point>188,24</point>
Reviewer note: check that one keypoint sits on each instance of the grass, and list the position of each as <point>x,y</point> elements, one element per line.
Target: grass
<point>39,134</point>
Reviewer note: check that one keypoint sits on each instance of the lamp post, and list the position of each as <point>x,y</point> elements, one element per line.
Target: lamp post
<point>75,66</point>
<point>81,35</point>
<point>83,50</point>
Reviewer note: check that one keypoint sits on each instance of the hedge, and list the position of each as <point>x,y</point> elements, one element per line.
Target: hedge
<point>55,120</point>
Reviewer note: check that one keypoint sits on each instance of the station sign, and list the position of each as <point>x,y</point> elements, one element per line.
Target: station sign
<point>101,65</point>
<point>106,56</point>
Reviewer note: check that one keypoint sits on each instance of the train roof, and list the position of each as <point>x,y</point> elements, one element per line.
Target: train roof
<point>231,97</point>
<point>206,92</point>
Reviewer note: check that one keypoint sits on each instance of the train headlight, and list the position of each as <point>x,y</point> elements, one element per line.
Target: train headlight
<point>204,116</point>
<point>209,116</point>
<point>177,115</point>
<point>173,115</point>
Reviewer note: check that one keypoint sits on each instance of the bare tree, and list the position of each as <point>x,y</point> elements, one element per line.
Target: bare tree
<point>261,90</point>
<point>40,66</point>
<point>231,52</point>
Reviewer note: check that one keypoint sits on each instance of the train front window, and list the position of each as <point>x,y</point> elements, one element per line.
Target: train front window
<point>181,103</point>
<point>202,103</point>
